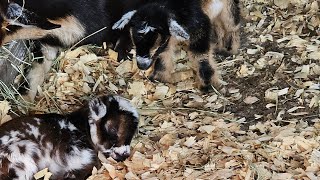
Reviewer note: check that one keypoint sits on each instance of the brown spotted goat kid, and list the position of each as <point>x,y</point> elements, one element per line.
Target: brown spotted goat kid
<point>67,144</point>
<point>159,25</point>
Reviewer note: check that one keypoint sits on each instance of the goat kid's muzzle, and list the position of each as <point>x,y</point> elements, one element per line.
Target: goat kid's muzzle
<point>144,62</point>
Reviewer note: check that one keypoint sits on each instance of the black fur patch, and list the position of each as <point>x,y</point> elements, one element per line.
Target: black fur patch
<point>235,9</point>
<point>205,71</point>
<point>158,67</point>
<point>51,40</point>
<point>12,173</point>
<point>163,46</point>
<point>22,149</point>
<point>12,29</point>
<point>228,42</point>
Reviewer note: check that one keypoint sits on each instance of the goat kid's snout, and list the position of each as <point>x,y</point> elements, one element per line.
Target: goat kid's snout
<point>144,62</point>
<point>118,153</point>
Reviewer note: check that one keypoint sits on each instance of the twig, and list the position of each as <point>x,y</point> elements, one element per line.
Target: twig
<point>90,35</point>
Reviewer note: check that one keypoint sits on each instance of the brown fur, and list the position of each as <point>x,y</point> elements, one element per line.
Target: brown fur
<point>224,26</point>
<point>166,74</point>
<point>196,59</point>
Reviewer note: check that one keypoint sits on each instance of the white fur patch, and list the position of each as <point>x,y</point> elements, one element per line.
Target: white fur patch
<point>125,149</point>
<point>94,136</point>
<point>62,124</point>
<point>33,131</point>
<point>71,127</point>
<point>14,134</point>
<point>125,105</point>
<point>178,31</point>
<point>215,8</point>
<point>124,20</point>
<point>67,125</point>
<point>78,158</point>
<point>146,29</point>
<point>4,139</point>
<point>37,120</point>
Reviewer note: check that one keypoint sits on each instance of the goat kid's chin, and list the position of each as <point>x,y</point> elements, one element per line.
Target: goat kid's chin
<point>144,63</point>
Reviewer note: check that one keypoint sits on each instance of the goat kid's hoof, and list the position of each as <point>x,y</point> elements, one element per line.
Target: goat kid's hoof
<point>159,77</point>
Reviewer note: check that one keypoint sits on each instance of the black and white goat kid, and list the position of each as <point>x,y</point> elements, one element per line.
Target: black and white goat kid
<point>204,25</point>
<point>58,24</point>
<point>67,145</point>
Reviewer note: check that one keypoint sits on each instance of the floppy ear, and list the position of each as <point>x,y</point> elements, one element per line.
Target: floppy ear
<point>97,109</point>
<point>124,20</point>
<point>178,31</point>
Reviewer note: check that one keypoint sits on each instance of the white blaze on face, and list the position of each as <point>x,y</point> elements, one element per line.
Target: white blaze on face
<point>146,29</point>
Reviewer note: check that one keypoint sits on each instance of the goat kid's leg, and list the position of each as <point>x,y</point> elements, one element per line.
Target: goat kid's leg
<point>123,46</point>
<point>36,75</point>
<point>85,172</point>
<point>163,66</point>
<point>230,21</point>
<point>200,53</point>
<point>218,36</point>
<point>206,71</point>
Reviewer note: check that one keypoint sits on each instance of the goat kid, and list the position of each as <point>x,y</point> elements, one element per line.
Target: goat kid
<point>159,25</point>
<point>58,24</point>
<point>67,145</point>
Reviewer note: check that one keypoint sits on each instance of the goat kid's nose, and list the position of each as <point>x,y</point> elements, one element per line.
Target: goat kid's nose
<point>144,63</point>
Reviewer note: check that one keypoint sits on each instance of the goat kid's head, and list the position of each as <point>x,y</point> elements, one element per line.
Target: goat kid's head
<point>113,123</point>
<point>14,19</point>
<point>151,26</point>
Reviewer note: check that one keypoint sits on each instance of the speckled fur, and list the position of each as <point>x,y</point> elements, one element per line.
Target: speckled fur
<point>67,144</point>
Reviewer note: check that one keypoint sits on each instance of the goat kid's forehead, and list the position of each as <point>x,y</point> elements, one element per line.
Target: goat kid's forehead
<point>113,114</point>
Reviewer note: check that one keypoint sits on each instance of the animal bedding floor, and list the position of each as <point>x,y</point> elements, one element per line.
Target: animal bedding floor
<point>264,123</point>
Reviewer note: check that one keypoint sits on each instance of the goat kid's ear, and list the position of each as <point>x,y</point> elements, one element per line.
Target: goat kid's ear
<point>97,109</point>
<point>177,31</point>
<point>124,20</point>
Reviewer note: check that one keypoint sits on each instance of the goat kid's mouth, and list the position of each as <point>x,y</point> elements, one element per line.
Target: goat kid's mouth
<point>118,153</point>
